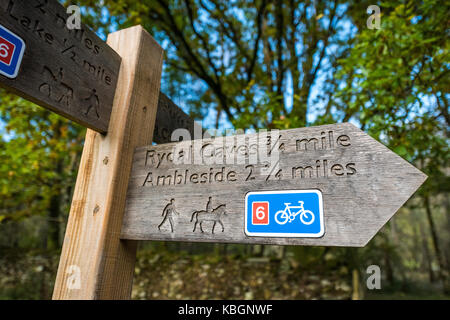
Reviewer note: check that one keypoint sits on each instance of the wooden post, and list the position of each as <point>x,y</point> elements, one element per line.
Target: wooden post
<point>95,263</point>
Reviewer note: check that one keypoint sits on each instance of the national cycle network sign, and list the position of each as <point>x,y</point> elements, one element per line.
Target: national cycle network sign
<point>11,53</point>
<point>286,213</point>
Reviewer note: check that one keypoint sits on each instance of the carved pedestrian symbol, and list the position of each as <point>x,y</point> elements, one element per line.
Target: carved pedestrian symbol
<point>168,212</point>
<point>93,103</point>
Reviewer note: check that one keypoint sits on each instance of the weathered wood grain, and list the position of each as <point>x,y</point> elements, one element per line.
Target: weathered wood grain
<point>91,244</point>
<point>71,72</point>
<point>363,184</point>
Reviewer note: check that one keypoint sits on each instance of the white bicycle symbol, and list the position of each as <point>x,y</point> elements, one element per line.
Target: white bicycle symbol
<point>283,216</point>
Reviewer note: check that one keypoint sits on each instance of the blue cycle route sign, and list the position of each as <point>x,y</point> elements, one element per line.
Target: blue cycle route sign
<point>286,213</point>
<point>11,53</point>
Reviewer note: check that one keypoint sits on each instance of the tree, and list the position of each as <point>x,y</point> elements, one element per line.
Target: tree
<point>397,80</point>
<point>255,62</point>
<point>39,158</point>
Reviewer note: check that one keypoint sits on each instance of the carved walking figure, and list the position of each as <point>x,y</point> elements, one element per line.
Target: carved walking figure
<point>215,216</point>
<point>168,212</point>
<point>93,103</point>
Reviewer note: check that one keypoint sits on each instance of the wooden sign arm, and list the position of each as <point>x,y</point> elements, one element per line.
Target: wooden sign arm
<point>170,117</point>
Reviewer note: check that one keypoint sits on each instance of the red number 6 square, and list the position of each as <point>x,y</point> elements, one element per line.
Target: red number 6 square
<point>260,212</point>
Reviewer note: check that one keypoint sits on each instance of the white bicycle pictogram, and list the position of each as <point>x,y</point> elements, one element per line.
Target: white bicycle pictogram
<point>283,216</point>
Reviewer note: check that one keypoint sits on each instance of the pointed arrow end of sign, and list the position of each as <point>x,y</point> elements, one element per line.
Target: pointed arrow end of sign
<point>396,181</point>
<point>416,180</point>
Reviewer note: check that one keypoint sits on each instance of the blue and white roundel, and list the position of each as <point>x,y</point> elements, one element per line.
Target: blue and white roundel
<point>287,213</point>
<point>11,53</point>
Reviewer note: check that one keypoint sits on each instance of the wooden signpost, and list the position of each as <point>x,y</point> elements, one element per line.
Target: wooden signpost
<point>46,63</point>
<point>330,185</point>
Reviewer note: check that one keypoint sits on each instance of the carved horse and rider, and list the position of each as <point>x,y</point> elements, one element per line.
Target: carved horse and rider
<point>212,215</point>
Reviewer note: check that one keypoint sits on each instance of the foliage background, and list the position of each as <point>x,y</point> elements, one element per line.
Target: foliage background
<point>250,65</point>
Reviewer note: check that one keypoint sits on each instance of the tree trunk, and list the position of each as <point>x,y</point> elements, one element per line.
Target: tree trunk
<point>434,237</point>
<point>415,250</point>
<point>54,212</point>
<point>447,248</point>
<point>426,259</point>
<point>388,256</point>
<point>388,265</point>
<point>355,284</point>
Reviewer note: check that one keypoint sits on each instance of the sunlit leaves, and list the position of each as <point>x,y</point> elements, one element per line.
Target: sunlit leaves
<point>33,142</point>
